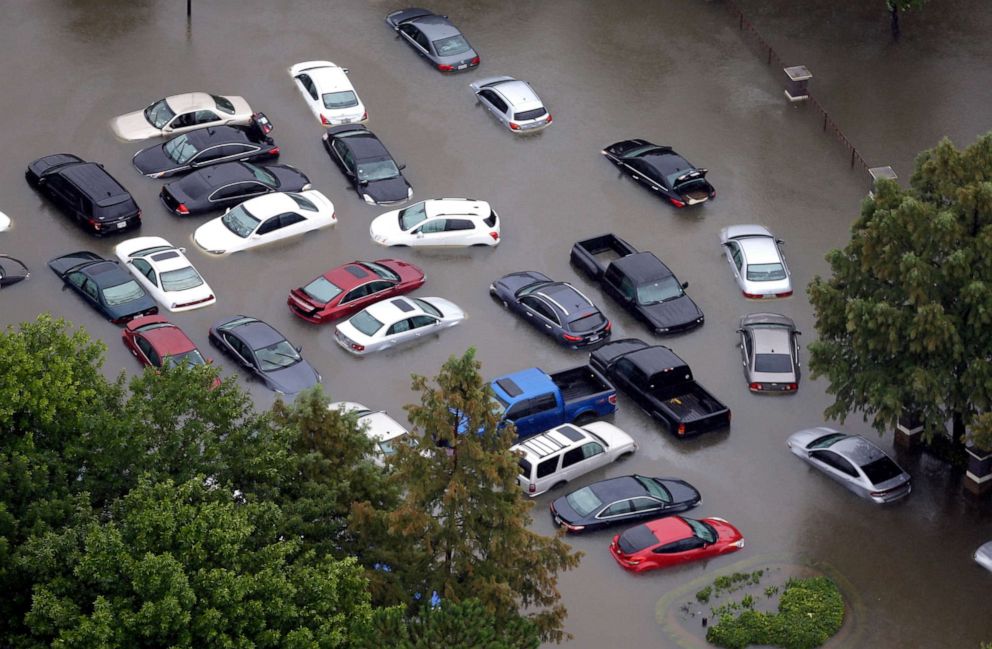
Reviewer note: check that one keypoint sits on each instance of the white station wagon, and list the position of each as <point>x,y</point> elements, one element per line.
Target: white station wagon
<point>265,219</point>
<point>329,93</point>
<point>163,270</point>
<point>181,113</point>
<point>397,321</point>
<point>438,222</point>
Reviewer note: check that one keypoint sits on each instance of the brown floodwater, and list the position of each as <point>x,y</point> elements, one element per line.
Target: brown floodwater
<point>675,72</point>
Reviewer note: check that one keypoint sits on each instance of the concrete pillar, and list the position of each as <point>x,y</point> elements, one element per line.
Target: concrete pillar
<point>978,478</point>
<point>909,431</point>
<point>796,88</point>
<point>878,173</point>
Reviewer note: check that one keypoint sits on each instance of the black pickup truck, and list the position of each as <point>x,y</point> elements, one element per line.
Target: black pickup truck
<point>662,384</point>
<point>639,281</point>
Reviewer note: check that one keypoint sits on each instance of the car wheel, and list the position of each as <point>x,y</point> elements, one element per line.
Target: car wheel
<point>557,485</point>
<point>584,418</point>
<point>624,456</point>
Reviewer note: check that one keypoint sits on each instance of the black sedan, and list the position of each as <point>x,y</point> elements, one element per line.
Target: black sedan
<point>228,184</point>
<point>661,170</point>
<point>206,146</point>
<point>367,164</point>
<point>434,38</point>
<point>557,309</point>
<point>623,500</point>
<point>265,353</point>
<point>105,285</point>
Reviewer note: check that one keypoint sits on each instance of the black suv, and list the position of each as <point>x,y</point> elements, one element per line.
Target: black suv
<point>85,192</point>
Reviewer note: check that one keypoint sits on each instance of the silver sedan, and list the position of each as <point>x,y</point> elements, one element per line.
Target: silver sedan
<point>769,347</point>
<point>756,261</point>
<point>514,103</point>
<point>852,461</point>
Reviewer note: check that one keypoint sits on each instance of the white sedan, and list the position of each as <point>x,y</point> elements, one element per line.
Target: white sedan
<point>329,93</point>
<point>265,219</point>
<point>438,222</point>
<point>382,429</point>
<point>396,321</point>
<point>181,113</point>
<point>756,261</point>
<point>163,270</point>
<point>4,222</point>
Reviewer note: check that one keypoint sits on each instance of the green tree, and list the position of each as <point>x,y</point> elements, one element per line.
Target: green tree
<point>905,322</point>
<point>896,6</point>
<point>461,528</point>
<point>461,625</point>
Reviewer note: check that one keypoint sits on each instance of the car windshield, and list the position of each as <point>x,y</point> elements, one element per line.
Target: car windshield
<point>765,272</point>
<point>773,363</point>
<point>322,290</point>
<point>240,222</point>
<point>159,113</point>
<point>180,149</point>
<point>388,446</point>
<point>428,307</point>
<point>826,441</point>
<point>377,169</point>
<point>413,215</point>
<point>655,489</point>
<point>584,501</point>
<point>381,271</point>
<point>499,404</point>
<point>304,203</point>
<point>343,99</point>
<point>276,356</point>
<point>262,175</point>
<point>115,295</point>
<point>702,530</point>
<point>192,357</point>
<point>181,279</point>
<point>661,290</point>
<point>451,46</point>
<point>365,323</point>
<point>881,470</point>
<point>223,104</point>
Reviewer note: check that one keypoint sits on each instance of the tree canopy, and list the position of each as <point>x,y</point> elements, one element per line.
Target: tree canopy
<point>905,321</point>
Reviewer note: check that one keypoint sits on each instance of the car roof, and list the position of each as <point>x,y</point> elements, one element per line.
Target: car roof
<point>364,145</point>
<point>398,308</point>
<point>381,426</point>
<point>222,174</point>
<point>329,78</point>
<point>618,488</point>
<point>167,339</point>
<point>349,275</point>
<point>666,161</point>
<point>106,273</point>
<point>759,249</point>
<point>94,180</point>
<point>772,340</point>
<point>168,259</point>
<point>204,137</point>
<point>257,334</point>
<point>669,528</point>
<point>462,207</point>
<point>190,101</point>
<point>564,296</point>
<point>274,203</point>
<point>554,440</point>
<point>518,93</point>
<point>857,449</point>
<point>653,359</point>
<point>435,26</point>
<point>642,266</point>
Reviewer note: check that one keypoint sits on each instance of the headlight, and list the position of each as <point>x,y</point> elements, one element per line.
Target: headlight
<point>662,330</point>
<point>216,252</point>
<point>368,199</point>
<point>307,187</point>
<point>409,192</point>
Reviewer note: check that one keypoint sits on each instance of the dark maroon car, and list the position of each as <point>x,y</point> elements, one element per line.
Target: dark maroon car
<point>156,342</point>
<point>347,289</point>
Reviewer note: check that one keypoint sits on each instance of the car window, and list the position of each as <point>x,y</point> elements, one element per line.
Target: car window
<point>413,215</point>
<point>428,307</point>
<point>627,288</point>
<point>626,369</point>
<point>433,226</point>
<point>643,504</point>
<point>736,255</point>
<point>154,358</point>
<point>382,169</point>
<point>290,218</point>
<point>276,356</point>
<point>702,531</point>
<point>77,279</point>
<point>159,113</point>
<point>423,321</point>
<point>547,467</point>
<point>451,46</point>
<point>654,488</point>
<point>421,40</point>
<point>183,121</point>
<point>682,545</point>
<point>270,225</point>
<point>572,457</point>
<point>658,291</point>
<point>231,191</point>
<point>181,279</point>
<point>204,117</point>
<point>613,275</point>
<point>236,345</point>
<point>495,100</point>
<point>591,449</point>
<point>617,509</point>
<point>240,221</point>
<point>537,306</point>
<point>399,327</point>
<point>308,85</point>
<point>223,104</point>
<point>835,461</point>
<point>453,225</point>
<point>357,292</point>
<point>89,287</point>
<point>544,402</point>
<point>748,343</point>
<point>144,346</point>
<point>145,269</point>
<point>179,149</point>
<point>379,286</point>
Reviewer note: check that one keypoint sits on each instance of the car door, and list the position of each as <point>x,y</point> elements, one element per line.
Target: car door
<point>64,195</point>
<point>837,467</point>
<point>399,332</point>
<point>424,325</point>
<point>240,351</point>
<point>147,276</point>
<point>145,350</point>
<point>494,104</point>
<point>583,459</point>
<point>747,351</point>
<point>539,314</point>
<point>432,233</point>
<point>735,256</point>
<point>681,551</point>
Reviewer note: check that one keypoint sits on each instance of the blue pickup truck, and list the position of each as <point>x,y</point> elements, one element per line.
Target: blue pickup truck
<point>536,401</point>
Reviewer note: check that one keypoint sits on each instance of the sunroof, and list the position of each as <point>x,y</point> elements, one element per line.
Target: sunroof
<point>508,386</point>
<point>356,271</point>
<point>402,305</point>
<point>165,255</point>
<point>571,433</point>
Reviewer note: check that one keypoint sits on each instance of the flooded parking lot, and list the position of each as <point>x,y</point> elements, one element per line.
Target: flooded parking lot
<point>671,71</point>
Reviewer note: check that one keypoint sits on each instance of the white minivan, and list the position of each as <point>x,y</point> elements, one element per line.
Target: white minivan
<point>564,453</point>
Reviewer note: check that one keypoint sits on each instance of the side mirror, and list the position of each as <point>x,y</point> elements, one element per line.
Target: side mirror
<point>299,349</point>
<point>685,285</point>
<point>779,241</point>
<point>346,70</point>
<point>401,167</point>
<point>182,250</point>
<point>363,183</point>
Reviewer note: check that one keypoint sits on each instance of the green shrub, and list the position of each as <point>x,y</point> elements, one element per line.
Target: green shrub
<point>703,596</point>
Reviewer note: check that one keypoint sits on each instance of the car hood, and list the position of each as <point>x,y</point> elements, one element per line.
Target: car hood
<point>673,313</point>
<point>565,511</point>
<point>214,235</point>
<point>450,311</point>
<point>386,226</point>
<point>515,281</point>
<point>293,379</point>
<point>133,126</point>
<point>153,160</point>
<point>682,492</point>
<point>290,179</point>
<point>389,190</point>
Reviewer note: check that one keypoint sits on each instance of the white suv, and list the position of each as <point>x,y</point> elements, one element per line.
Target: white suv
<point>562,454</point>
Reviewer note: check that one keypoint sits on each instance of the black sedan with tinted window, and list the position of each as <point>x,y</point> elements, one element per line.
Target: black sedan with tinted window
<point>204,147</point>
<point>434,38</point>
<point>556,309</point>
<point>263,351</point>
<point>367,164</point>
<point>661,170</point>
<point>623,500</point>
<point>105,285</point>
<point>226,185</point>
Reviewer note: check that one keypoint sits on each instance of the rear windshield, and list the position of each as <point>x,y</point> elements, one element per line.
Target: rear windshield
<point>773,363</point>
<point>181,279</point>
<point>765,272</point>
<point>636,539</point>
<point>451,46</point>
<point>881,470</point>
<point>525,468</point>
<point>322,290</point>
<point>223,104</point>
<point>343,99</point>
<point>491,219</point>
<point>584,501</point>
<point>122,293</point>
<point>365,323</point>
<point>192,357</point>
<point>529,114</point>
<point>111,211</point>
<point>588,323</point>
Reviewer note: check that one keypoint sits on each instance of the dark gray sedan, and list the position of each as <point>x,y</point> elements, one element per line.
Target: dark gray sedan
<point>434,38</point>
<point>852,461</point>
<point>769,345</point>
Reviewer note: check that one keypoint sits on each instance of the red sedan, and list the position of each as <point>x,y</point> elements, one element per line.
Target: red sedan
<point>674,540</point>
<point>156,342</point>
<point>347,289</point>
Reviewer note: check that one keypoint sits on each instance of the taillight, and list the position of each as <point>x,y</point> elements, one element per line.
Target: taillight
<point>676,202</point>
<point>786,294</point>
<point>681,430</point>
<point>753,296</point>
<point>532,488</point>
<point>365,115</point>
<point>494,235</point>
<point>609,326</point>
<point>474,61</point>
<point>574,528</point>
<point>713,194</point>
<point>444,67</point>
<point>549,118</point>
<point>357,347</point>
<point>325,121</point>
<point>755,386</point>
<point>514,126</point>
<point>612,399</point>
<point>793,386</point>
<point>274,151</point>
<point>570,338</point>
<point>182,209</point>
<point>194,303</point>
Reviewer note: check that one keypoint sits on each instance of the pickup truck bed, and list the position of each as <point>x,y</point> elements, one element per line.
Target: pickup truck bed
<point>595,254</point>
<point>579,383</point>
<point>689,406</point>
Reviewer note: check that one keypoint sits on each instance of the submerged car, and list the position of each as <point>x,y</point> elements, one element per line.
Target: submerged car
<point>262,350</point>
<point>227,184</point>
<point>208,146</point>
<point>513,103</point>
<point>674,540</point>
<point>983,556</point>
<point>756,261</point>
<point>770,353</point>
<point>163,270</point>
<point>397,321</point>
<point>661,170</point>
<point>328,93</point>
<point>105,285</point>
<point>434,38</point>
<point>156,342</point>
<point>383,430</point>
<point>12,271</point>
<point>4,222</point>
<point>366,162</point>
<point>265,219</point>
<point>852,461</point>
<point>349,288</point>
<point>447,222</point>
<point>622,500</point>
<point>556,309</point>
<point>181,113</point>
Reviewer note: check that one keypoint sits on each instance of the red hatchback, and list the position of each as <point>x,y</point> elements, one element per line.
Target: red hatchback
<point>156,342</point>
<point>674,540</point>
<point>347,289</point>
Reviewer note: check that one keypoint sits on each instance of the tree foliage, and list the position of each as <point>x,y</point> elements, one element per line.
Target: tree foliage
<point>461,527</point>
<point>905,322</point>
<point>897,6</point>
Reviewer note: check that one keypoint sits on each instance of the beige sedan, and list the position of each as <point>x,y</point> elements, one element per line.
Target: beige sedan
<point>181,113</point>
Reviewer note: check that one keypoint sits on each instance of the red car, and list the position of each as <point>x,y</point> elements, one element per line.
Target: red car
<point>673,540</point>
<point>347,289</point>
<point>155,341</point>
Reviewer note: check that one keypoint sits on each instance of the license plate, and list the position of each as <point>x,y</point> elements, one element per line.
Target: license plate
<point>557,520</point>
<point>594,339</point>
<point>346,121</point>
<point>462,66</point>
<point>121,225</point>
